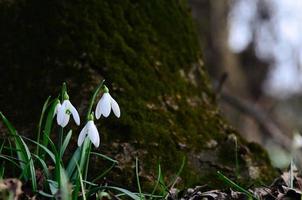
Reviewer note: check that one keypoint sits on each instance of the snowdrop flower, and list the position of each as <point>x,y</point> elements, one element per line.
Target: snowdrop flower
<point>65,110</point>
<point>91,131</point>
<point>105,104</point>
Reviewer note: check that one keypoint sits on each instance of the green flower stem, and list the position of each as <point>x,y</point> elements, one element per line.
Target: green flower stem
<point>60,142</point>
<point>61,129</point>
<point>89,112</point>
<point>96,91</point>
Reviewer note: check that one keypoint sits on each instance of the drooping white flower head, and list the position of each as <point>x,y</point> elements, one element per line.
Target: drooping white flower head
<point>91,131</point>
<point>105,104</point>
<point>64,111</point>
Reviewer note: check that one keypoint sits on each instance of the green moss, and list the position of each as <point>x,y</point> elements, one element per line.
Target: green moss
<point>146,51</point>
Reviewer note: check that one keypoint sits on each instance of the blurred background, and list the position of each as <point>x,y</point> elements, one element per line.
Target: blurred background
<point>253,54</point>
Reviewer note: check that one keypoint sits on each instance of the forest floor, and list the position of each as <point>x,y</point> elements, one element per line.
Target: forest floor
<point>278,190</point>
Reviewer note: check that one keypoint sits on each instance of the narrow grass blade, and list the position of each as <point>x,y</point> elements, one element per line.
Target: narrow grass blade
<point>72,162</point>
<point>10,148</point>
<point>234,185</point>
<point>2,168</point>
<point>90,183</point>
<point>146,195</point>
<point>137,179</point>
<point>13,132</point>
<point>58,169</point>
<point>23,172</point>
<point>163,187</point>
<point>104,173</point>
<point>157,181</point>
<point>59,173</point>
<point>44,194</point>
<point>80,182</point>
<point>41,121</point>
<point>124,191</point>
<point>153,196</point>
<point>76,190</point>
<point>24,154</point>
<point>53,147</point>
<point>10,160</point>
<point>48,123</point>
<point>66,142</point>
<point>178,172</point>
<point>64,186</point>
<point>43,165</point>
<point>51,155</point>
<point>84,160</point>
<point>105,157</point>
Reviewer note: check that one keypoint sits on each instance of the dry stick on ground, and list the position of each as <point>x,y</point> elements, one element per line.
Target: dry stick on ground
<point>260,116</point>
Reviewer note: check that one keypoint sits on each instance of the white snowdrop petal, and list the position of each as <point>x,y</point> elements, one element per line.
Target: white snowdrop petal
<point>98,110</point>
<point>93,133</point>
<point>105,106</point>
<point>115,108</point>
<point>65,120</point>
<point>74,113</point>
<point>82,136</point>
<point>96,132</point>
<point>60,114</point>
<point>76,117</point>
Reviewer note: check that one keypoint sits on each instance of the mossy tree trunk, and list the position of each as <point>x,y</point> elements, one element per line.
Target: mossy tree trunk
<point>149,54</point>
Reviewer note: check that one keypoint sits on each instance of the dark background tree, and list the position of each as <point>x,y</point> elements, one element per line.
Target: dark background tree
<point>148,51</point>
